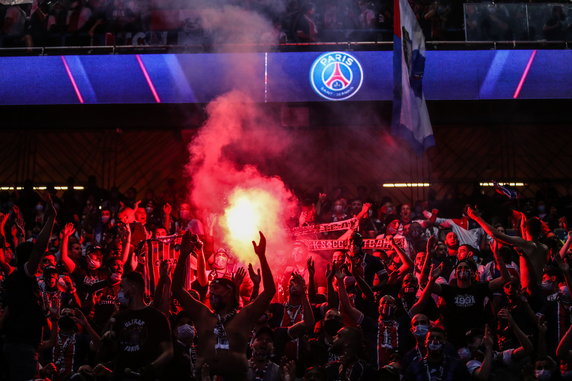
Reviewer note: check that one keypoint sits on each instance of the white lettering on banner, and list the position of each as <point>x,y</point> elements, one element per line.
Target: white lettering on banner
<point>333,244</point>
<point>324,228</point>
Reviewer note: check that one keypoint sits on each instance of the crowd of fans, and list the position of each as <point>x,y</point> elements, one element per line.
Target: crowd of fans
<point>146,22</point>
<point>98,286</point>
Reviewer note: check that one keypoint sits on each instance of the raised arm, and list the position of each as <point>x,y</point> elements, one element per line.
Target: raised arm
<point>406,262</point>
<point>564,249</point>
<point>162,298</point>
<point>126,245</point>
<point>491,231</point>
<point>3,220</point>
<point>362,214</point>
<point>332,295</point>
<point>526,347</point>
<point>201,263</point>
<point>31,267</point>
<point>311,280</point>
<point>484,371</point>
<point>255,277</point>
<point>167,209</point>
<point>4,265</point>
<point>431,287</point>
<point>354,315</point>
<point>67,232</point>
<point>306,325</point>
<point>564,351</point>
<point>193,306</point>
<point>497,283</point>
<point>262,301</point>
<point>427,262</point>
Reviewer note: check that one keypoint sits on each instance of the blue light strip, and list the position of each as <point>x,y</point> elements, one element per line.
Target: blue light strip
<point>275,77</point>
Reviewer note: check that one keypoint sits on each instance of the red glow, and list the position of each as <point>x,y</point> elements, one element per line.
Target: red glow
<point>72,79</point>
<point>524,75</point>
<point>148,79</point>
<point>238,199</point>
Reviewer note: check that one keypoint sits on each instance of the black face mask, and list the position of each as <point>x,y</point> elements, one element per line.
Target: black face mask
<point>66,323</point>
<point>332,326</point>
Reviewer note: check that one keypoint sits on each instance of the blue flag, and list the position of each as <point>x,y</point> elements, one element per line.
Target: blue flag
<point>410,118</point>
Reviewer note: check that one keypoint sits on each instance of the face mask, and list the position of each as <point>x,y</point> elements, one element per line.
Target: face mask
<point>186,333</point>
<point>435,347</point>
<point>115,277</point>
<point>338,208</point>
<point>185,215</point>
<point>565,291</point>
<point>332,326</point>
<point>542,374</point>
<point>105,219</point>
<point>122,299</point>
<point>421,330</point>
<point>476,259</point>
<point>39,208</point>
<point>547,285</point>
<point>409,290</point>
<point>463,274</point>
<point>93,264</point>
<point>149,210</point>
<point>464,354</point>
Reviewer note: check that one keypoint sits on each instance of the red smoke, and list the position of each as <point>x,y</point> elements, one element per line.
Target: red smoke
<point>242,199</point>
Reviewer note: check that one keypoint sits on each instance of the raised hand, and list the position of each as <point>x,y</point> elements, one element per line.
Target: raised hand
<point>167,209</point>
<point>310,266</point>
<point>254,276</point>
<point>329,272</point>
<point>187,243</point>
<point>338,272</point>
<point>473,213</point>
<point>68,230</point>
<point>431,243</point>
<point>165,268</point>
<point>50,208</point>
<point>260,249</point>
<point>238,276</point>
<point>487,339</point>
<point>434,272</point>
<point>299,280</point>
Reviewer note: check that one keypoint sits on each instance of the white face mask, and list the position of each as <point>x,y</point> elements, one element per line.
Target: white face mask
<point>421,330</point>
<point>115,277</point>
<point>93,264</point>
<point>186,333</point>
<point>435,347</point>
<point>542,374</point>
<point>547,285</point>
<point>122,299</point>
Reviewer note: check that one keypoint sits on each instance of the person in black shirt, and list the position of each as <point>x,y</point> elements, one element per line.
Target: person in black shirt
<point>24,316</point>
<point>464,301</point>
<point>436,364</point>
<point>142,334</point>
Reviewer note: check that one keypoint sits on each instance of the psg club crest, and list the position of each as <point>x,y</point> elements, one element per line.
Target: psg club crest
<point>336,76</point>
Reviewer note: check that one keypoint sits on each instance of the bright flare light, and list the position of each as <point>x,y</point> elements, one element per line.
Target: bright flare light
<point>250,211</point>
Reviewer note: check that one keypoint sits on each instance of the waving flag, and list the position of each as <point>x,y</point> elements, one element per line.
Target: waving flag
<point>410,118</point>
<point>512,194</point>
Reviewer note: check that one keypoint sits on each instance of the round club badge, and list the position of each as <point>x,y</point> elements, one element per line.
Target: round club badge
<point>336,76</point>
